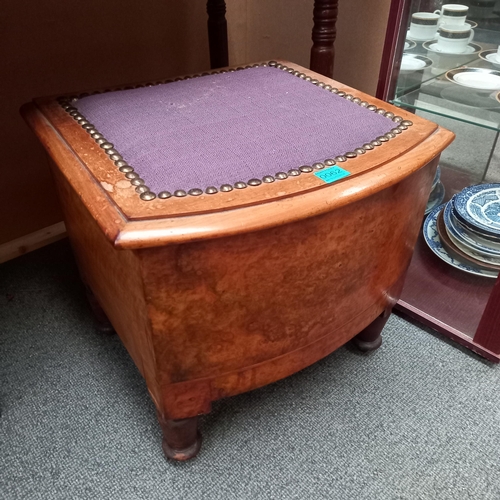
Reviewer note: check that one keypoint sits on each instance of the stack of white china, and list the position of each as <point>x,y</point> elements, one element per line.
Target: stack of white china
<point>465,232</point>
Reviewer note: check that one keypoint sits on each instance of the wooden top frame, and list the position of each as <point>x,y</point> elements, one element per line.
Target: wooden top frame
<point>130,222</point>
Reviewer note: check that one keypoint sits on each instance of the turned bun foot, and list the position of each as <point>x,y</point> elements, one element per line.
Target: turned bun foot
<point>181,455</point>
<point>369,339</point>
<point>368,345</point>
<point>181,438</point>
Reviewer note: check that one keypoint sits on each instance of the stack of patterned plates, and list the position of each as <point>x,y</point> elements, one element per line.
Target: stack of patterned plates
<point>437,192</point>
<point>465,232</point>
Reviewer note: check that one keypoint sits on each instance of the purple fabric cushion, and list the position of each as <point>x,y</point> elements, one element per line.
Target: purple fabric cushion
<point>228,127</point>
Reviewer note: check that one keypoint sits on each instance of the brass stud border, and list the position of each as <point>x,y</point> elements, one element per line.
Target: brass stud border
<point>144,192</point>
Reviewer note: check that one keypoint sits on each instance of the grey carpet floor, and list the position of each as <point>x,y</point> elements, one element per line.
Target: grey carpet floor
<point>417,419</point>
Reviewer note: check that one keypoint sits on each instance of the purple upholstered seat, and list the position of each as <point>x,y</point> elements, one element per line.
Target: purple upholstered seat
<point>229,127</point>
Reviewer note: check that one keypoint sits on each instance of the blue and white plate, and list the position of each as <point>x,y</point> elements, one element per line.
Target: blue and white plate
<point>475,254</point>
<point>431,237</point>
<point>479,208</point>
<point>466,237</point>
<point>436,197</point>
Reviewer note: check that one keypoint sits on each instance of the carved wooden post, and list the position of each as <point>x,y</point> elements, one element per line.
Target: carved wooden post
<point>217,33</point>
<point>323,36</point>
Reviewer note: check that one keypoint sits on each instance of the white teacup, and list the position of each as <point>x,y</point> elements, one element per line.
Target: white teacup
<point>454,39</point>
<point>453,14</point>
<point>423,25</point>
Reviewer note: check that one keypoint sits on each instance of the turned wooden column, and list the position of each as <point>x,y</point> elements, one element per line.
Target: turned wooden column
<point>217,33</point>
<point>323,36</point>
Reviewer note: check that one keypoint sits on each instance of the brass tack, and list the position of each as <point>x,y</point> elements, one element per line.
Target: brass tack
<point>279,66</point>
<point>327,87</point>
<point>240,185</point>
<point>349,97</point>
<point>389,114</point>
<point>334,90</point>
<point>296,73</point>
<point>408,123</point>
<point>254,182</point>
<point>180,193</point>
<point>302,75</point>
<point>227,187</point>
<point>390,135</point>
<point>82,122</point>
<point>368,146</point>
<point>396,130</point>
<point>131,175</point>
<point>329,162</point>
<point>308,78</point>
<point>376,142</point>
<point>314,81</point>
<point>341,93</point>
<point>397,119</point>
<point>164,195</point>
<point>74,112</point>
<point>147,196</point>
<point>363,104</point>
<point>137,181</point>
<point>116,157</point>
<point>106,145</point>
<point>402,127</point>
<point>255,65</point>
<point>111,151</point>
<point>350,154</point>
<point>101,140</point>
<point>371,107</point>
<point>382,138</point>
<point>123,166</point>
<point>87,126</point>
<point>340,159</point>
<point>380,111</point>
<point>141,189</point>
<point>268,179</point>
<point>97,135</point>
<point>360,151</point>
<point>306,169</point>
<point>211,190</point>
<point>294,172</point>
<point>272,63</point>
<point>195,192</point>
<point>321,85</point>
<point>281,176</point>
<point>357,100</point>
<point>318,165</point>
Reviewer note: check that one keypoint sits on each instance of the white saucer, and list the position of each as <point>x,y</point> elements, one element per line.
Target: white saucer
<point>433,47</point>
<point>409,44</point>
<point>491,56</point>
<point>475,78</point>
<point>411,63</point>
<point>414,39</point>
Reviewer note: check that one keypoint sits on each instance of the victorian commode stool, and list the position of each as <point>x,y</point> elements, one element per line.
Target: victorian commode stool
<point>237,226</point>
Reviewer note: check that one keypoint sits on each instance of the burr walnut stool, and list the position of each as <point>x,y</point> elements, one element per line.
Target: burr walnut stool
<point>237,226</point>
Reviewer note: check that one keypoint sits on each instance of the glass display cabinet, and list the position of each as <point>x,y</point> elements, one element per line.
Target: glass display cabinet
<point>459,88</point>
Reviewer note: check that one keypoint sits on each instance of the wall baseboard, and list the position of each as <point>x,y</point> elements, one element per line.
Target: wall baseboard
<point>32,241</point>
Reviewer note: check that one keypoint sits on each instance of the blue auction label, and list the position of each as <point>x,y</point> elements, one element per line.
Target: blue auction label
<point>332,174</point>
